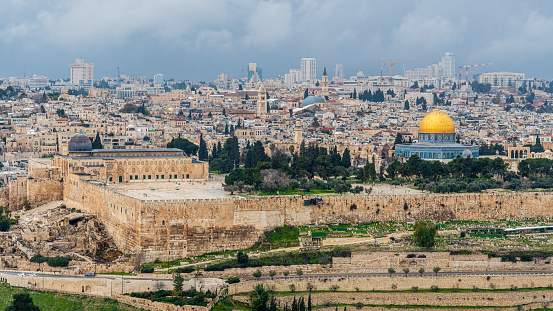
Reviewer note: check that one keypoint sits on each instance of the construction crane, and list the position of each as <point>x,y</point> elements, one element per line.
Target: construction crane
<point>392,63</point>
<point>460,74</point>
<point>471,66</point>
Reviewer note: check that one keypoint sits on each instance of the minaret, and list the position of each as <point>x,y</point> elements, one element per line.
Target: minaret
<point>298,134</point>
<point>324,83</point>
<point>261,101</point>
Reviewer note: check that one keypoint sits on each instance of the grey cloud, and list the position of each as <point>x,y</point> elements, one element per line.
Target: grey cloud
<point>199,39</point>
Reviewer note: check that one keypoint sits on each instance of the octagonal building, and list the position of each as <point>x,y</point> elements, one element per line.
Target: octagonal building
<point>437,140</point>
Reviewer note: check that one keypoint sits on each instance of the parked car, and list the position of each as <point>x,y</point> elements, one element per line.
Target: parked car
<point>91,274</point>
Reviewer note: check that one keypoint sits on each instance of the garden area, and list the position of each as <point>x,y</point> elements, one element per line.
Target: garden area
<point>53,301</point>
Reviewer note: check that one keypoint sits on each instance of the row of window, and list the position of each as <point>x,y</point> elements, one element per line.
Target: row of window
<point>159,169</point>
<point>146,177</point>
<point>430,155</point>
<point>438,137</point>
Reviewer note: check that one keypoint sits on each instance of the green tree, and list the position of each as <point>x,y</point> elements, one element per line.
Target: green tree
<point>242,258</point>
<point>346,159</point>
<point>202,151</point>
<point>399,139</point>
<point>97,143</point>
<point>22,302</point>
<point>185,145</point>
<point>315,123</point>
<point>306,93</point>
<point>406,105</point>
<point>178,281</point>
<point>255,155</point>
<point>5,225</point>
<point>257,274</point>
<point>425,232</point>
<point>391,271</point>
<point>259,298</point>
<point>436,270</point>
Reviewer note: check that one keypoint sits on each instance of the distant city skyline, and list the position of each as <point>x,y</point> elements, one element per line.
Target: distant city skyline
<point>200,40</point>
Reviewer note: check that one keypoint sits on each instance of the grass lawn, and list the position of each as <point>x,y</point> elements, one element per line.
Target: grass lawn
<point>61,302</point>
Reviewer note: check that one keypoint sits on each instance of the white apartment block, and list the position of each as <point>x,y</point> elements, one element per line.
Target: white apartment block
<point>308,69</point>
<point>500,79</point>
<point>82,74</point>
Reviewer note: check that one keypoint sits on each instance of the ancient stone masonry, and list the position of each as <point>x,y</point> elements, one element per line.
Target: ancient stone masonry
<point>176,228</point>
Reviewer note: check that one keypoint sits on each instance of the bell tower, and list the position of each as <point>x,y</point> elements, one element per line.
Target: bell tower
<point>261,101</point>
<point>324,83</point>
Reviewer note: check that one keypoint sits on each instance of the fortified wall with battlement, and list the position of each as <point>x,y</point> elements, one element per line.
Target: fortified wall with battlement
<point>170,229</point>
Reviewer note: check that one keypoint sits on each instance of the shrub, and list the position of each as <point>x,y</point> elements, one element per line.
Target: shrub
<point>233,280</point>
<point>218,267</point>
<point>147,269</point>
<point>58,261</point>
<point>434,288</point>
<point>38,259</point>
<point>185,270</point>
<point>5,225</point>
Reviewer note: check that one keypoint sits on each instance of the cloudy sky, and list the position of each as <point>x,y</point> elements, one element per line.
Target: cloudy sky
<point>200,39</point>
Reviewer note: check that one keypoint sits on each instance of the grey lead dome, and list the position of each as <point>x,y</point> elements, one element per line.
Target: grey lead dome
<point>79,143</point>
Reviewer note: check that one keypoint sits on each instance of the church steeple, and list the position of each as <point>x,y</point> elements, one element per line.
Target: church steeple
<point>324,83</point>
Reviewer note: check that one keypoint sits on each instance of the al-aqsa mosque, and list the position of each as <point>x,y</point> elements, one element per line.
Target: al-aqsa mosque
<point>437,140</point>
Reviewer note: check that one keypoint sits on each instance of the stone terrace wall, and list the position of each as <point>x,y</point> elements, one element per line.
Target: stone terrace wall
<point>384,283</point>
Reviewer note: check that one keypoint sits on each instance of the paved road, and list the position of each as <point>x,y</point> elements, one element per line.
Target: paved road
<point>98,276</point>
<point>414,274</point>
<point>397,274</point>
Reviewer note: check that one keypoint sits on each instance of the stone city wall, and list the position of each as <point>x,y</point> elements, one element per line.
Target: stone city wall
<point>170,229</point>
<point>36,191</point>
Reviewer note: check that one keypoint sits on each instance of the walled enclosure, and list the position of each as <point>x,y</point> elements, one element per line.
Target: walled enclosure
<point>171,229</point>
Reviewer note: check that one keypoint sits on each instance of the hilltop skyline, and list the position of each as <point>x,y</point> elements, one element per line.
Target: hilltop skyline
<point>198,41</point>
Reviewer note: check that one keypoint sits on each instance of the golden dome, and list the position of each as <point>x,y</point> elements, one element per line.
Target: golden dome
<point>437,122</point>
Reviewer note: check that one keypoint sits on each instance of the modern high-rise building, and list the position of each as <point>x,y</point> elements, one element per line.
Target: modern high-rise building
<point>159,79</point>
<point>292,78</point>
<point>339,72</point>
<point>447,65</point>
<point>308,69</point>
<point>82,74</point>
<point>255,74</point>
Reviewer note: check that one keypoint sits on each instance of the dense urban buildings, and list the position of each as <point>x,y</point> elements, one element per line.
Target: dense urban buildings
<point>151,174</point>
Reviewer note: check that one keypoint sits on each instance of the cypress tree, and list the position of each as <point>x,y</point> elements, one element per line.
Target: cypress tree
<point>346,159</point>
<point>202,152</point>
<point>97,143</point>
